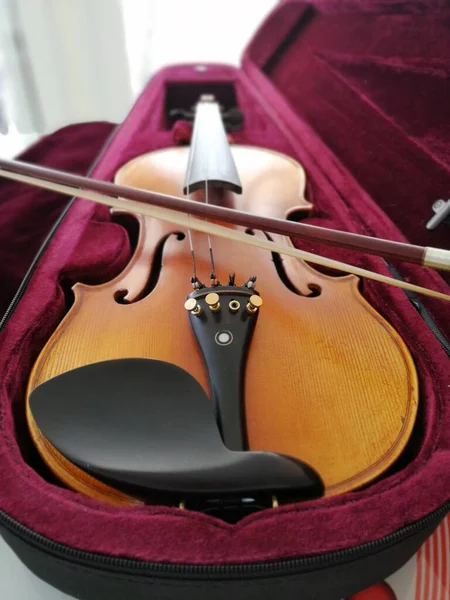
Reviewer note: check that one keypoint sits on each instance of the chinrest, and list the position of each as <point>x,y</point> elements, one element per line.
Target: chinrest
<point>148,425</point>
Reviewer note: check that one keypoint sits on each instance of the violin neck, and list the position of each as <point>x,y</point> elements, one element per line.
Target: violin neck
<point>211,163</point>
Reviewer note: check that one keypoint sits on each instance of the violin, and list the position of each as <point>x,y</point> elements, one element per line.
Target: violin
<point>212,371</point>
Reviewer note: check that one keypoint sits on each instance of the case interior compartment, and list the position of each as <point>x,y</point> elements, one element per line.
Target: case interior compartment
<point>372,80</point>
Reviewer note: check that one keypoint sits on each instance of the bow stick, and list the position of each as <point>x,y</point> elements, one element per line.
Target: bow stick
<point>190,222</point>
<point>435,258</point>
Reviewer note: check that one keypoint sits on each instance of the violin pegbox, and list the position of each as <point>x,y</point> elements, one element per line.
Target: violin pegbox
<point>223,319</point>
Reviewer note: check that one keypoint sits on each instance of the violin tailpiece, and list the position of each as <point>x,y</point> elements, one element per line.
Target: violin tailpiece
<point>223,319</point>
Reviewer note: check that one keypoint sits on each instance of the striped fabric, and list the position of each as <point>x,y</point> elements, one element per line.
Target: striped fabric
<point>425,577</point>
<point>433,566</point>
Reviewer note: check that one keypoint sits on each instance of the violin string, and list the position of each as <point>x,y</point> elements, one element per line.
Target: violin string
<point>211,254</point>
<point>195,281</point>
<point>191,247</point>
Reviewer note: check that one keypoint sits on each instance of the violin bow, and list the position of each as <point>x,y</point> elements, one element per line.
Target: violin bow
<point>435,258</point>
<point>184,212</point>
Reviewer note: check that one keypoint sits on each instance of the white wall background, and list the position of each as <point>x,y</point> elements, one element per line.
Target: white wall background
<point>68,61</point>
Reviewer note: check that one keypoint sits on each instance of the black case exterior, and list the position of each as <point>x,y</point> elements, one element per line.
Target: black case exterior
<point>88,582</point>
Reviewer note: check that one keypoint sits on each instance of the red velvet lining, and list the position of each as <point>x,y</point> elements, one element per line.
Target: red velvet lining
<point>27,213</point>
<point>374,86</point>
<point>87,245</point>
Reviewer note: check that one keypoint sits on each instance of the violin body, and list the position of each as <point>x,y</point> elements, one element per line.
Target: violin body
<point>327,379</point>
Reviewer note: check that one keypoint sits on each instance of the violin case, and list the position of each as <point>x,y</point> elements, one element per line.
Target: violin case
<point>357,92</point>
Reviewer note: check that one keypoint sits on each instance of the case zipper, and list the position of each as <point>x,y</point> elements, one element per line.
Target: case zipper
<point>231,571</point>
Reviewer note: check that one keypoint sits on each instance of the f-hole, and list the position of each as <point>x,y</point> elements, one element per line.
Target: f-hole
<point>155,271</point>
<point>315,289</point>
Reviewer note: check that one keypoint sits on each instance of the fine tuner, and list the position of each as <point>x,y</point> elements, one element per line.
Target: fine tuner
<point>212,299</point>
